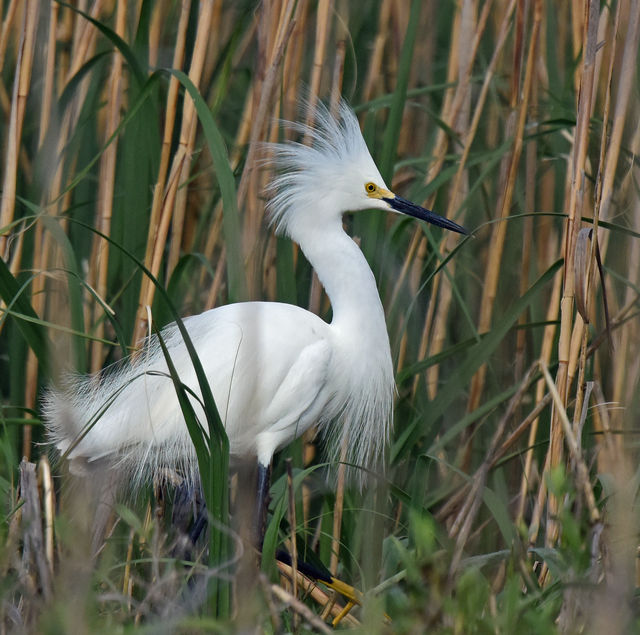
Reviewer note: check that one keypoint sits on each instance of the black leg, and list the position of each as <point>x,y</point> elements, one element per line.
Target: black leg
<point>262,504</point>
<point>189,518</point>
<point>199,524</point>
<point>187,497</point>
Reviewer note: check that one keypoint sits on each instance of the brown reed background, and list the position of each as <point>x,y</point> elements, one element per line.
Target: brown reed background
<point>517,119</point>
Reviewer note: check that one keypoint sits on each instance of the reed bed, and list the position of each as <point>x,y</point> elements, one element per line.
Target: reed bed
<point>133,188</point>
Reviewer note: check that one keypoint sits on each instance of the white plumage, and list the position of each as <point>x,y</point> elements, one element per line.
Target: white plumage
<point>274,369</point>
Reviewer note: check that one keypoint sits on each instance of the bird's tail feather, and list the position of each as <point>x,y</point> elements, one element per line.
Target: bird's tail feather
<point>114,415</point>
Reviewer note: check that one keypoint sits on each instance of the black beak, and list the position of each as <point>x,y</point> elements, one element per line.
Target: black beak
<point>404,206</point>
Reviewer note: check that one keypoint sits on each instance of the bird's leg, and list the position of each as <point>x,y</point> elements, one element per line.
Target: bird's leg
<point>189,517</point>
<point>199,524</point>
<point>262,504</point>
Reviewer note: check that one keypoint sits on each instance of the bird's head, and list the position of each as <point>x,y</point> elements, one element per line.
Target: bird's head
<point>336,174</point>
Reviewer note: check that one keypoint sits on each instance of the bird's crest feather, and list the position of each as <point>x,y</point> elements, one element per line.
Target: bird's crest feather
<point>337,145</point>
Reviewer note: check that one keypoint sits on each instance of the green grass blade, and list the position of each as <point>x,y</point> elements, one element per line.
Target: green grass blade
<point>14,296</point>
<point>213,464</point>
<point>270,543</point>
<point>117,41</point>
<point>230,217</point>
<point>144,94</point>
<point>196,431</point>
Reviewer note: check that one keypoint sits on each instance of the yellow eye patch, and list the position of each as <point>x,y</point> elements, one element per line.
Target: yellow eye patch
<point>373,191</point>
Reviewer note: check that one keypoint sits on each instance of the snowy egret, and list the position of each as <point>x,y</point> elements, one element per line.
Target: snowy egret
<point>275,369</point>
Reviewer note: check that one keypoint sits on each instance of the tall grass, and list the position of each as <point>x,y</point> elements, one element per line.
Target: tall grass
<point>133,181</point>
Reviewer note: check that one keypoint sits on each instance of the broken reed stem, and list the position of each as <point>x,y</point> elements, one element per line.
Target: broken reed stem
<point>45,483</point>
<point>34,556</point>
<point>462,525</point>
<point>573,446</point>
<point>492,457</point>
<point>299,608</point>
<point>548,343</point>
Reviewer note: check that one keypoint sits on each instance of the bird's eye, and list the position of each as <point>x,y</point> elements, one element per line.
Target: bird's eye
<point>370,188</point>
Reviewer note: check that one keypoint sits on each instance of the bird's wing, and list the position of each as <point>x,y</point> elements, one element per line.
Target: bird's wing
<point>267,364</point>
<point>296,404</point>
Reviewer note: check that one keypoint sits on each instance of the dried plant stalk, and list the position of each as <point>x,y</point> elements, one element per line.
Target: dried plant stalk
<point>575,207</point>
<point>21,84</point>
<point>500,229</point>
<point>157,230</point>
<point>188,133</point>
<point>438,310</point>
<point>104,210</point>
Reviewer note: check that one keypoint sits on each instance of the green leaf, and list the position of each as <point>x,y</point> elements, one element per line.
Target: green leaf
<point>196,431</point>
<point>230,216</point>
<point>144,94</point>
<point>270,542</point>
<point>14,296</point>
<point>213,464</point>
<point>117,41</point>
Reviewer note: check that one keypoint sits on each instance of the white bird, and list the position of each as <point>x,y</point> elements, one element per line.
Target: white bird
<point>275,369</point>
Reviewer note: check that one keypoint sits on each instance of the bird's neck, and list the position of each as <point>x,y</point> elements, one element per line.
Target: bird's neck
<point>348,280</point>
